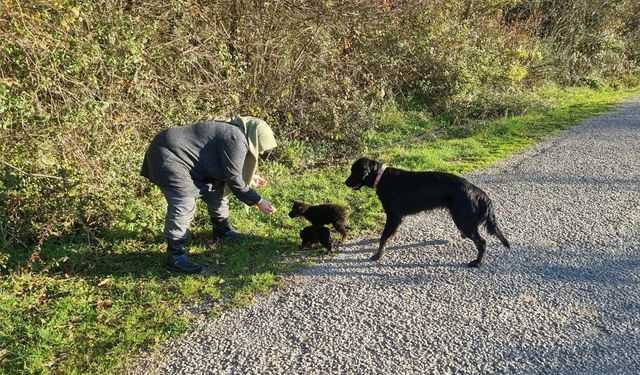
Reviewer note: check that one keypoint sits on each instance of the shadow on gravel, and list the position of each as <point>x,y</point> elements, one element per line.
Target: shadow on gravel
<point>614,271</point>
<point>374,271</point>
<point>365,263</point>
<point>553,179</point>
<point>372,245</point>
<point>356,263</point>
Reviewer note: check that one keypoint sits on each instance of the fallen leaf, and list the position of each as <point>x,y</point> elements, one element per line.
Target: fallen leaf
<point>104,283</point>
<point>104,304</point>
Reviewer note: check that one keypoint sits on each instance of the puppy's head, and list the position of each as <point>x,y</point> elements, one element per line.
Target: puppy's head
<point>363,173</point>
<point>298,209</point>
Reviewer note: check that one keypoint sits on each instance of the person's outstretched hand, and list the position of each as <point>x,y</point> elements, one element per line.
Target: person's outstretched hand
<point>266,207</point>
<point>258,181</point>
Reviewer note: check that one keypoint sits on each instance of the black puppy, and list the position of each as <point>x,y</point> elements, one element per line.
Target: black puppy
<point>316,233</point>
<point>321,214</point>
<point>405,193</point>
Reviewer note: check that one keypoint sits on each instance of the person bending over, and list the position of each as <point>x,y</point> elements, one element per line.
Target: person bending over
<point>206,160</point>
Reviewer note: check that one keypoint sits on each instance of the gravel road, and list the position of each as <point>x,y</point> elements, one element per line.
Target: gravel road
<point>564,300</point>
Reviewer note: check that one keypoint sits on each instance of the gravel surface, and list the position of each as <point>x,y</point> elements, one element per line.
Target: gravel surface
<point>564,300</point>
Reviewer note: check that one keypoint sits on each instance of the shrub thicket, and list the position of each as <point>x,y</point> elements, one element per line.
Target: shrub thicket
<point>85,84</point>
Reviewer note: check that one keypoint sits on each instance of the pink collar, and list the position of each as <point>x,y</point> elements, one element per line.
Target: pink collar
<point>380,172</point>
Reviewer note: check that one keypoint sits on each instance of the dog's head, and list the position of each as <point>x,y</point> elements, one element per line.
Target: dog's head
<point>298,209</point>
<point>363,173</point>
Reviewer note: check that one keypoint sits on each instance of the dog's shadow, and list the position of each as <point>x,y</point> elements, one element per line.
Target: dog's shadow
<point>360,252</point>
<point>355,262</point>
<point>362,246</point>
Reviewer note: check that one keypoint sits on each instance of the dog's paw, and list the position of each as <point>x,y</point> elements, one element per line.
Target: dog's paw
<point>473,264</point>
<point>375,257</point>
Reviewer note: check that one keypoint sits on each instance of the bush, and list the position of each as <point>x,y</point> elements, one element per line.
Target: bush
<point>84,85</point>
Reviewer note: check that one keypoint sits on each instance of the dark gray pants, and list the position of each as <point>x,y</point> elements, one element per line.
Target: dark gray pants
<point>181,210</point>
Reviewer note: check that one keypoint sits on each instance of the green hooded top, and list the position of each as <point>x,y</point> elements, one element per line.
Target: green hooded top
<point>260,138</point>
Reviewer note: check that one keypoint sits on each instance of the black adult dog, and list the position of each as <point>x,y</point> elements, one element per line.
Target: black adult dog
<point>405,193</point>
<point>321,214</point>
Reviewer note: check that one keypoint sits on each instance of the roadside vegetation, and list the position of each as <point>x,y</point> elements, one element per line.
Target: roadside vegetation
<point>84,85</point>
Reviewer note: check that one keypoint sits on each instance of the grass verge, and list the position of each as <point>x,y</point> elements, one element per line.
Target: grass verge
<point>86,308</point>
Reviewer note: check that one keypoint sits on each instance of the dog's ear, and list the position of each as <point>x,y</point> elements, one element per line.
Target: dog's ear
<point>373,163</point>
<point>363,162</point>
<point>368,166</point>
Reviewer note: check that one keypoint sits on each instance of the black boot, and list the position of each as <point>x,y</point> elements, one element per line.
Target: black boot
<point>222,229</point>
<point>177,259</point>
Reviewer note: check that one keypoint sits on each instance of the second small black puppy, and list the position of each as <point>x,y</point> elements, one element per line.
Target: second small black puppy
<point>405,193</point>
<point>314,234</point>
<point>321,214</point>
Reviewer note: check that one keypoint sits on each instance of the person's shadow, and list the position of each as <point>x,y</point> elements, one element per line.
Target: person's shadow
<point>124,256</point>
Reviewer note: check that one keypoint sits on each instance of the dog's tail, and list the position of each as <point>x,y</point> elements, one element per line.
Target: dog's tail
<point>492,226</point>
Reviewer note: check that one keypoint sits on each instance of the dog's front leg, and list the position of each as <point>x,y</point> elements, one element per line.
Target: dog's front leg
<point>327,244</point>
<point>393,222</point>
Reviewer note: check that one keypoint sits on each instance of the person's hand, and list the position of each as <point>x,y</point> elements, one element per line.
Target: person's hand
<point>266,207</point>
<point>258,181</point>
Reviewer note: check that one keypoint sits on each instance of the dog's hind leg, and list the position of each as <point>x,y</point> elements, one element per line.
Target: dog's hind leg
<point>468,228</point>
<point>466,223</point>
<point>393,222</point>
<point>481,245</point>
<point>341,228</point>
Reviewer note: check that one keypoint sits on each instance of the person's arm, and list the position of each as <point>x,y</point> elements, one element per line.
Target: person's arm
<point>233,152</point>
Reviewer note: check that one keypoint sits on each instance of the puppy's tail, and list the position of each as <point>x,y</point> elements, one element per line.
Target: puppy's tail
<point>492,226</point>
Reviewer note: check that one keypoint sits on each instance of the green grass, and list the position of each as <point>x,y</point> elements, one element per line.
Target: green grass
<point>88,308</point>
